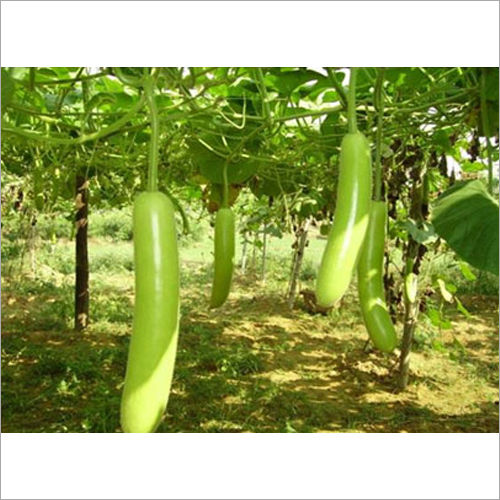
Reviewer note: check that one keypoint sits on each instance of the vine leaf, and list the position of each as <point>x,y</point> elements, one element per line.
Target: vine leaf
<point>422,233</point>
<point>211,165</point>
<point>8,88</point>
<point>466,217</point>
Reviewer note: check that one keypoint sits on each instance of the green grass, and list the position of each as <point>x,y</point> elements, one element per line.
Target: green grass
<point>250,366</point>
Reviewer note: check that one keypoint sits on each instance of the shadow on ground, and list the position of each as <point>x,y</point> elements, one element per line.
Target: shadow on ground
<point>250,366</point>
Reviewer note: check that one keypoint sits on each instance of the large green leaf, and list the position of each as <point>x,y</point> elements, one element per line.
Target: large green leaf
<point>466,216</point>
<point>8,88</point>
<point>211,165</point>
<point>287,81</point>
<point>422,233</point>
<point>441,138</point>
<point>269,187</point>
<point>492,84</point>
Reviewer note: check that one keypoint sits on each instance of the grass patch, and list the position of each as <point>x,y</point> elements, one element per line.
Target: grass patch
<point>249,366</point>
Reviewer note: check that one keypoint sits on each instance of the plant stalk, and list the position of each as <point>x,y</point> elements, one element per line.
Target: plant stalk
<point>379,104</point>
<point>351,104</point>
<point>154,141</point>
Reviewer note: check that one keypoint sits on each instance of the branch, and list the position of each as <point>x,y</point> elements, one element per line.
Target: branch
<point>66,80</point>
<point>82,139</point>
<point>338,87</point>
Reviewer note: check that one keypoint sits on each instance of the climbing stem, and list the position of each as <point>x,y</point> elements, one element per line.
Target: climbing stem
<point>351,102</point>
<point>153,143</point>
<point>225,187</point>
<point>338,87</point>
<point>63,141</point>
<point>40,83</point>
<point>266,110</point>
<point>133,81</point>
<point>379,104</point>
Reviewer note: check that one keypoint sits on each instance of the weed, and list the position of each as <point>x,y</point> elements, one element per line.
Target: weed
<point>250,366</point>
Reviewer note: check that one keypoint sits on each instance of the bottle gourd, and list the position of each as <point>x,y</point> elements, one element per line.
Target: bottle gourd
<point>153,344</point>
<point>350,223</point>
<point>370,281</point>
<point>223,256</point>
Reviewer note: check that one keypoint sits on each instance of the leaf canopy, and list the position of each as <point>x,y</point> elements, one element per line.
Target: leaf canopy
<point>466,216</point>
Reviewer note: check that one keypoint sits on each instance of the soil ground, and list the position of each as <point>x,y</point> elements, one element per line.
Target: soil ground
<point>250,366</point>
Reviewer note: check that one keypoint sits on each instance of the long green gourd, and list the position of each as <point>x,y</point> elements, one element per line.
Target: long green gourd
<point>153,345</point>
<point>223,256</point>
<point>376,315</point>
<point>156,314</point>
<point>351,213</point>
<point>223,247</point>
<point>370,281</point>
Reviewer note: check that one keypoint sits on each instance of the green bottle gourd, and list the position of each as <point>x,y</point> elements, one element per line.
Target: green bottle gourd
<point>370,281</point>
<point>223,256</point>
<point>153,344</point>
<point>350,223</point>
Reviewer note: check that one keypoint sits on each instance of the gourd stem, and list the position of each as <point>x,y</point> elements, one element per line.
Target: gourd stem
<point>94,136</point>
<point>379,105</point>
<point>338,87</point>
<point>154,141</point>
<point>351,103</point>
<point>486,129</point>
<point>225,187</point>
<point>133,81</point>
<point>266,110</point>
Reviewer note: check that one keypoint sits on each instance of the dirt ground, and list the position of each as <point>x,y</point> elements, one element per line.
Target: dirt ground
<point>252,366</point>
